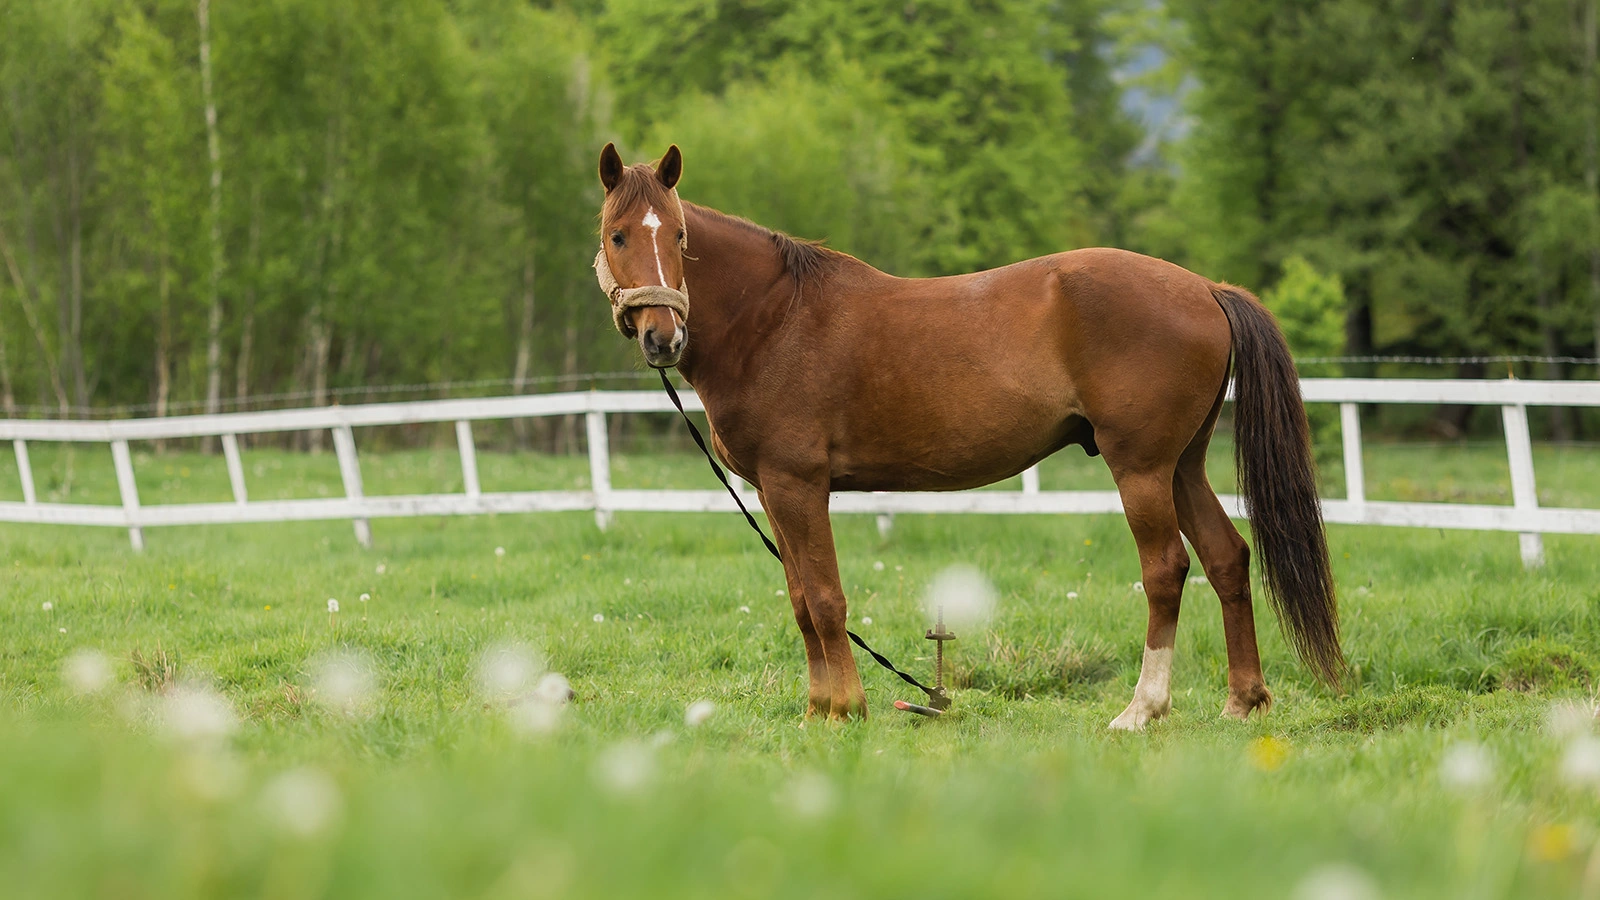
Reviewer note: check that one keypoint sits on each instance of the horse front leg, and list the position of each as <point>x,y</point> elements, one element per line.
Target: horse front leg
<point>818,697</point>
<point>799,511</point>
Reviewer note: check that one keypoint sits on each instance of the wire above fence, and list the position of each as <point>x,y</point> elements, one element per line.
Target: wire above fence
<point>455,389</point>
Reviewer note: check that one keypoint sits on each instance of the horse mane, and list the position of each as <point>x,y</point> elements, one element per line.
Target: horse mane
<point>804,260</point>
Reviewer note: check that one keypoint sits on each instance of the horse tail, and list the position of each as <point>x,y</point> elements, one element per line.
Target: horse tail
<point>1277,477</point>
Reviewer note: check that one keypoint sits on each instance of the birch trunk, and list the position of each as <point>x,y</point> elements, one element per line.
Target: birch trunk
<point>519,377</point>
<point>214,150</point>
<point>30,311</point>
<point>163,344</point>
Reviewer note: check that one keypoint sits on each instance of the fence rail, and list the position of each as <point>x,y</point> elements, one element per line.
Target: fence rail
<point>1524,516</point>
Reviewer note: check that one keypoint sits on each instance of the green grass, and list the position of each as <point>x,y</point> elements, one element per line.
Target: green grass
<point>1020,792</point>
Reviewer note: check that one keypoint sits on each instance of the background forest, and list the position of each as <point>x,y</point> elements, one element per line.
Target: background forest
<point>298,201</point>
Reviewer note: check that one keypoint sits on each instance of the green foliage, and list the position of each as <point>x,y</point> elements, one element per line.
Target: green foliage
<point>1310,308</point>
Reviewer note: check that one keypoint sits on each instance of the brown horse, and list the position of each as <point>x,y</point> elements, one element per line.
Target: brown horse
<point>820,373</point>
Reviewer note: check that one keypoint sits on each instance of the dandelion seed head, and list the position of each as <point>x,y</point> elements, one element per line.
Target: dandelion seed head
<point>1337,881</point>
<point>196,714</point>
<point>1569,718</point>
<point>63,630</point>
<point>1580,765</point>
<point>698,712</point>
<point>599,617</point>
<point>866,620</point>
<point>809,795</point>
<point>499,551</point>
<point>333,605</point>
<point>507,669</point>
<point>86,672</point>
<point>625,767</point>
<point>47,606</point>
<point>966,597</point>
<point>745,610</point>
<point>365,597</point>
<point>344,682</point>
<point>553,688</point>
<point>381,568</point>
<point>303,802</point>
<point>211,776</point>
<point>1466,766</point>
<point>1072,595</point>
<point>877,566</point>
<point>1138,586</point>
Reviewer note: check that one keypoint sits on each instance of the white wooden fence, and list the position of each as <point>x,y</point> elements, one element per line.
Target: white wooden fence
<point>1524,516</point>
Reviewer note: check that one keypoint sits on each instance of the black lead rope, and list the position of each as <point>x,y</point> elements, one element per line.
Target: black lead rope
<point>938,699</point>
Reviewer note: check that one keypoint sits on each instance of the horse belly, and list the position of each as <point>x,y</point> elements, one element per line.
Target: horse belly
<point>954,452</point>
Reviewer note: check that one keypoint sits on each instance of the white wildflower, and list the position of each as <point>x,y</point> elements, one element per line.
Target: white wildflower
<point>1138,586</point>
<point>304,802</point>
<point>964,595</point>
<point>333,605</point>
<point>381,568</point>
<point>1072,595</point>
<point>506,670</point>
<point>810,795</point>
<point>1569,718</point>
<point>877,566</point>
<point>1466,766</point>
<point>1581,764</point>
<point>553,688</point>
<point>599,617</point>
<point>1337,881</point>
<point>866,620</point>
<point>499,551</point>
<point>195,713</point>
<point>86,672</point>
<point>365,597</point>
<point>745,610</point>
<point>698,712</point>
<point>344,682</point>
<point>625,767</point>
<point>47,606</point>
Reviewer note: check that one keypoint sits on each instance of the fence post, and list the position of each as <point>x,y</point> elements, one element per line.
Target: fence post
<point>230,452</point>
<point>469,458</point>
<point>1030,480</point>
<point>1355,477</point>
<point>1524,493</point>
<point>130,492</point>
<point>344,445</point>
<point>25,471</point>
<point>599,467</point>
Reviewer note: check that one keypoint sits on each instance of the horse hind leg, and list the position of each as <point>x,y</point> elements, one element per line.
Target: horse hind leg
<point>1226,559</point>
<point>1147,499</point>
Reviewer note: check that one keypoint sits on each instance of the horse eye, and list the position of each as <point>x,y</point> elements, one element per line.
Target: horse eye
<point>680,235</point>
<point>616,238</point>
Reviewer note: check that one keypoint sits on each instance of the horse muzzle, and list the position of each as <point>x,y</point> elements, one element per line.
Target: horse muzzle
<point>662,335</point>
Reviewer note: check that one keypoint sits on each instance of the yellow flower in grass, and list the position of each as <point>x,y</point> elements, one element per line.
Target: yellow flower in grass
<point>1267,753</point>
<point>1548,843</point>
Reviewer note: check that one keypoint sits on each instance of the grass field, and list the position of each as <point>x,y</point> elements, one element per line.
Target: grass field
<point>251,744</point>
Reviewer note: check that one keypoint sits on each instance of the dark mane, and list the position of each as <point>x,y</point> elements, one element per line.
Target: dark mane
<point>637,185</point>
<point>804,260</point>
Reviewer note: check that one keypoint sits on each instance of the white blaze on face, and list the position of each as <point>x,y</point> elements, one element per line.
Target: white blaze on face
<point>653,222</point>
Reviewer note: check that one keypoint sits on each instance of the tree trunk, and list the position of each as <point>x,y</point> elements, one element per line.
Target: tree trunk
<point>1591,154</point>
<point>30,311</point>
<point>567,438</point>
<point>519,377</point>
<point>163,344</point>
<point>247,328</point>
<point>8,399</point>
<point>214,150</point>
<point>73,339</point>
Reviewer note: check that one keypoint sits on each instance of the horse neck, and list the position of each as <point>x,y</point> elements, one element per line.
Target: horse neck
<point>737,291</point>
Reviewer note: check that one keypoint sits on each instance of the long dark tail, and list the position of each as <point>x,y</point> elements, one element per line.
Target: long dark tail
<point>1277,476</point>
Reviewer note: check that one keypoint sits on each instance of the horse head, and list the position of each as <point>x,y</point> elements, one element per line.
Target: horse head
<point>640,263</point>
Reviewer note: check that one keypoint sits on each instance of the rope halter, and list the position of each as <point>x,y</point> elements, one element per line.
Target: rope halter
<point>624,299</point>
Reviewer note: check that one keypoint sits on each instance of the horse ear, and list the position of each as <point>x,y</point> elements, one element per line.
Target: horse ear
<point>610,167</point>
<point>670,169</point>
